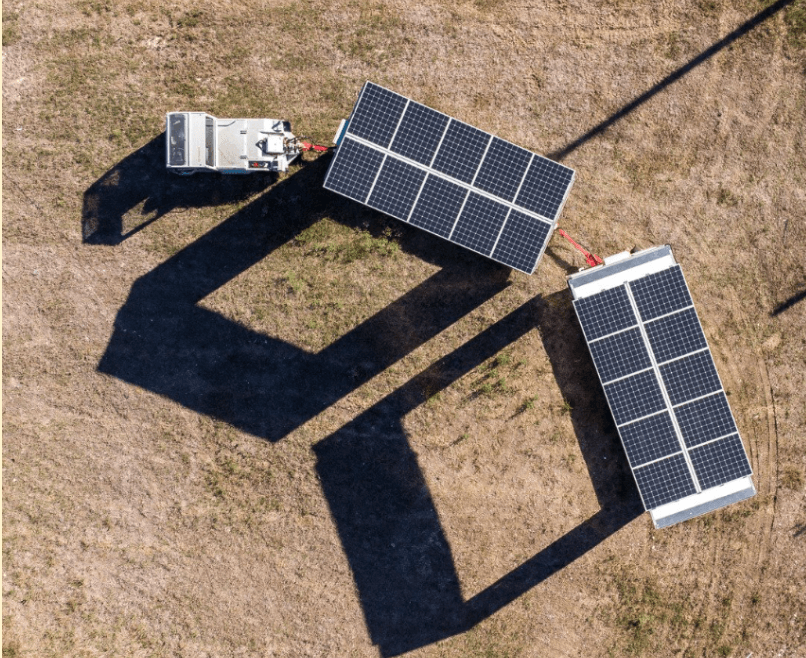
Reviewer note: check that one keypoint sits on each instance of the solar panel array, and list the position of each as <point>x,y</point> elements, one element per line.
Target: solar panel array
<point>451,179</point>
<point>662,387</point>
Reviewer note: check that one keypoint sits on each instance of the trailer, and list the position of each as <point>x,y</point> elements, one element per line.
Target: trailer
<point>197,141</point>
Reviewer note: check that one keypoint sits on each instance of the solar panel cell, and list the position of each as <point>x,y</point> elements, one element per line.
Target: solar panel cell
<point>675,335</point>
<point>438,206</point>
<point>357,167</point>
<point>605,312</point>
<point>503,169</point>
<point>479,224</point>
<point>649,439</point>
<point>720,462</point>
<point>661,293</point>
<point>664,481</point>
<point>461,151</point>
<point>620,354</point>
<point>419,133</point>
<point>521,241</point>
<point>376,115</point>
<point>634,397</point>
<point>396,188</point>
<point>544,187</point>
<point>690,377</point>
<point>705,419</point>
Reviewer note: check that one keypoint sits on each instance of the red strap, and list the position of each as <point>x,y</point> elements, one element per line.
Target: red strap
<point>592,259</point>
<point>307,146</point>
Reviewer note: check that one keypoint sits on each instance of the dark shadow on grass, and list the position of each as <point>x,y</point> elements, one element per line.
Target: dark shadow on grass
<point>139,190</point>
<point>673,77</point>
<point>163,341</point>
<point>387,520</point>
<point>789,303</point>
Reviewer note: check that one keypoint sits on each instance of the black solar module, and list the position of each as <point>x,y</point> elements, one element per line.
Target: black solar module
<point>396,188</point>
<point>649,439</point>
<point>690,377</point>
<point>660,380</point>
<point>664,481</point>
<point>661,293</point>
<point>605,313</point>
<point>503,169</point>
<point>705,419</point>
<point>675,335</point>
<point>419,133</point>
<point>438,206</point>
<point>620,354</point>
<point>449,178</point>
<point>360,165</point>
<point>634,397</point>
<point>720,461</point>
<point>479,223</point>
<point>544,186</point>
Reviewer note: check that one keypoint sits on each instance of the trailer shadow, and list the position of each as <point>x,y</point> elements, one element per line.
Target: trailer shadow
<point>387,520</point>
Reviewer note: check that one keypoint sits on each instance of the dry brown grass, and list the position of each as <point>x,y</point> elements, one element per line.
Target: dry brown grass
<point>144,511</point>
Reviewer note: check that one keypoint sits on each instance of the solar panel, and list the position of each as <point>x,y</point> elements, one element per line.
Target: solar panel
<point>662,386</point>
<point>451,179</point>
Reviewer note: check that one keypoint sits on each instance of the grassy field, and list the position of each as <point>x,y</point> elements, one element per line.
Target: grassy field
<point>247,417</point>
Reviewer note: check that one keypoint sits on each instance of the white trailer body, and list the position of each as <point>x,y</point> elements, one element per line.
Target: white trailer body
<point>197,141</point>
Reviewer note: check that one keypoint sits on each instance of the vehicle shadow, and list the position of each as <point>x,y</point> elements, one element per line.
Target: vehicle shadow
<point>387,520</point>
<point>139,189</point>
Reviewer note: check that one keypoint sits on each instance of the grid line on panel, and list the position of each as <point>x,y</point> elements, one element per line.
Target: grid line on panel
<point>705,419</point>
<point>619,355</point>
<point>396,188</point>
<point>634,397</point>
<point>545,186</point>
<point>675,335</point>
<point>615,333</point>
<point>666,315</point>
<point>649,439</point>
<point>377,174</point>
<point>377,114</point>
<point>354,169</point>
<point>479,223</point>
<point>521,241</point>
<point>663,481</point>
<point>498,237</point>
<point>417,197</point>
<point>661,293</point>
<point>430,163</point>
<point>420,131</point>
<point>503,169</point>
<point>720,462</point>
<point>690,377</point>
<point>640,418</point>
<point>687,354</point>
<point>605,312</point>
<point>438,206</point>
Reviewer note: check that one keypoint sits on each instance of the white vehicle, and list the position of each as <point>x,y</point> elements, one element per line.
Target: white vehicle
<point>196,141</point>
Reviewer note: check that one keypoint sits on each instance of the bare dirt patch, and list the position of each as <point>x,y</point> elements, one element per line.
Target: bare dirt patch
<point>249,418</point>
